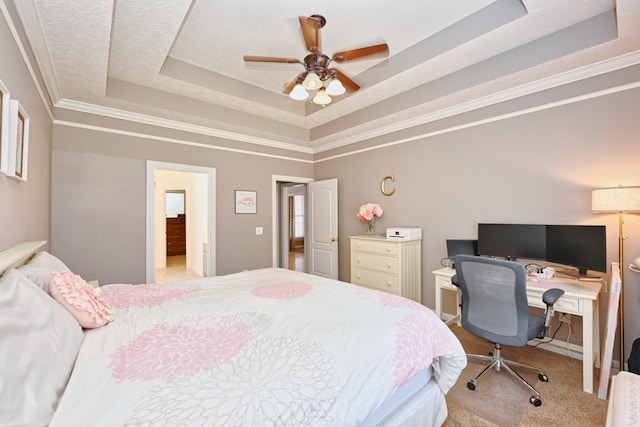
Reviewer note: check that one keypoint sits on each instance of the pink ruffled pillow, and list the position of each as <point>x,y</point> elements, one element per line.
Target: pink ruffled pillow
<point>81,299</point>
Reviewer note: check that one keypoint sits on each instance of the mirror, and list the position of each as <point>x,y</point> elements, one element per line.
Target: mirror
<point>174,203</point>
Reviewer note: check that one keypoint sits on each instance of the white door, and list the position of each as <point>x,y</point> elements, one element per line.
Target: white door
<point>321,244</point>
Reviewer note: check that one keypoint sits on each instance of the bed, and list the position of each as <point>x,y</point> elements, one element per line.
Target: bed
<point>268,347</point>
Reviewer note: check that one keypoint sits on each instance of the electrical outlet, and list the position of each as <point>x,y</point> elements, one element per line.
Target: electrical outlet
<point>566,318</point>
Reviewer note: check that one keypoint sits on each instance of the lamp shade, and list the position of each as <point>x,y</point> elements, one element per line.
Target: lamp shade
<point>299,93</point>
<point>335,87</point>
<point>312,81</point>
<point>322,98</point>
<point>615,200</point>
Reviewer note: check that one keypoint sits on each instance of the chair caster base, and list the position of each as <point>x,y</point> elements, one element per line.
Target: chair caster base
<point>542,377</point>
<point>535,401</point>
<point>471,385</point>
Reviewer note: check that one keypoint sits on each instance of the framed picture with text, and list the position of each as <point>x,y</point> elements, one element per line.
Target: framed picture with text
<point>18,155</point>
<point>246,202</point>
<point>4,128</point>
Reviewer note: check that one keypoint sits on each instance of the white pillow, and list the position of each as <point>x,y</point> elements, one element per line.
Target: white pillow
<point>39,342</point>
<point>40,268</point>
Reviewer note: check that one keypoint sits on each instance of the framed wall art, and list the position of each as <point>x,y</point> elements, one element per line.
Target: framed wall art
<point>246,202</point>
<point>4,128</point>
<point>18,155</point>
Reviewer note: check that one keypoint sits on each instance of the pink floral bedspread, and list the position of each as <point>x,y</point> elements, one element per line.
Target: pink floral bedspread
<point>259,348</point>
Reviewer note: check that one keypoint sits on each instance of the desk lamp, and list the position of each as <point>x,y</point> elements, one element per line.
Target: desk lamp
<point>618,200</point>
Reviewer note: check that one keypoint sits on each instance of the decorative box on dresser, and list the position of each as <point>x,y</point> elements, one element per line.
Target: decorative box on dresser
<point>390,265</point>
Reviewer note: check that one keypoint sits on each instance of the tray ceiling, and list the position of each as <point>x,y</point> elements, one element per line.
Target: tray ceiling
<point>179,62</point>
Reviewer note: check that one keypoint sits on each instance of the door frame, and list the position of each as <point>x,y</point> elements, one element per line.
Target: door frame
<point>152,166</point>
<point>276,203</point>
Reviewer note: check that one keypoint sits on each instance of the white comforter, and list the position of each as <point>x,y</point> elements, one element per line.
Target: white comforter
<point>259,348</point>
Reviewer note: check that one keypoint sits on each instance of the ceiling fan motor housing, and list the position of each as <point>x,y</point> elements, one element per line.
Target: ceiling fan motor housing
<point>319,19</point>
<point>318,63</point>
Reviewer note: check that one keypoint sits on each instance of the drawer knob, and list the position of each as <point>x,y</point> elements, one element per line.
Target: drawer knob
<point>358,260</point>
<point>389,284</point>
<point>388,265</point>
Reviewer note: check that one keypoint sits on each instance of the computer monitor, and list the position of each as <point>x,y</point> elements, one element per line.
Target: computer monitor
<point>461,247</point>
<point>512,241</point>
<point>580,246</point>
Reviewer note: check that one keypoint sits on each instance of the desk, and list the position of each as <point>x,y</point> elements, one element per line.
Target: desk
<point>580,299</point>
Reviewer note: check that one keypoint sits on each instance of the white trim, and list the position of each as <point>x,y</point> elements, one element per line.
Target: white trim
<point>512,114</point>
<point>152,166</point>
<point>274,209</point>
<point>443,113</point>
<point>572,76</point>
<point>176,125</point>
<point>173,140</point>
<point>568,77</point>
<point>25,58</point>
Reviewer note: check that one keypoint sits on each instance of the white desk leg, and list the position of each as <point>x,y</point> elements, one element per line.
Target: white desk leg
<point>596,331</point>
<point>438,299</point>
<point>587,350</point>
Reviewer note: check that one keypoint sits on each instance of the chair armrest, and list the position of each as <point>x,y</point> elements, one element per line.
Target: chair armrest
<point>454,281</point>
<point>552,295</point>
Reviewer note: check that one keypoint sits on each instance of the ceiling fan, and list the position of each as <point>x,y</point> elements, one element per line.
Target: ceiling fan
<point>317,74</point>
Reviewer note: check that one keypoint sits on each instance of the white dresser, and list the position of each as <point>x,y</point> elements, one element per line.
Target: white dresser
<point>390,265</point>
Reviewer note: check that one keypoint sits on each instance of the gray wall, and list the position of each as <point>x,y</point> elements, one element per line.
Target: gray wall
<point>98,210</point>
<point>25,206</point>
<point>536,168</point>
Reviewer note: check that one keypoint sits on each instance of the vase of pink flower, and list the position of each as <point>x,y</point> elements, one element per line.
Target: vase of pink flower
<point>368,213</point>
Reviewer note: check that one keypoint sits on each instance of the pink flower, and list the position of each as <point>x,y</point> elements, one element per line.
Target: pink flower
<point>369,211</point>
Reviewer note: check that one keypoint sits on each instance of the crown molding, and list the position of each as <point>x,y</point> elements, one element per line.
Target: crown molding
<point>174,140</point>
<point>176,125</point>
<point>25,58</point>
<point>588,71</point>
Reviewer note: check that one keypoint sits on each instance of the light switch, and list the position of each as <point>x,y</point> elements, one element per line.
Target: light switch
<point>259,231</point>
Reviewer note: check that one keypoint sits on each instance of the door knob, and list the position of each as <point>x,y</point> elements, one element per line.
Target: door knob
<point>333,239</point>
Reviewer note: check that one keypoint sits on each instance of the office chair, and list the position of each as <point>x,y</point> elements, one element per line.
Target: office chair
<point>494,308</point>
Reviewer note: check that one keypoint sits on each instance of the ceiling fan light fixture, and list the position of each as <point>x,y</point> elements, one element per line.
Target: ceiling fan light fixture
<point>335,87</point>
<point>322,98</point>
<point>299,93</point>
<point>312,81</point>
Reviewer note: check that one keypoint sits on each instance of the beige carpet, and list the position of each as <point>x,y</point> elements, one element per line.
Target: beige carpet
<point>501,400</point>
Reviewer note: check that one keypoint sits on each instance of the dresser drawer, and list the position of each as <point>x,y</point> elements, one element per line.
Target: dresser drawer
<point>385,264</point>
<point>379,281</point>
<point>379,247</point>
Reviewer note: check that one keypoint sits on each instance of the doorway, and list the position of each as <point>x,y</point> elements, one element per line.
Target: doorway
<point>198,185</point>
<point>294,216</point>
<point>283,187</point>
<point>320,224</point>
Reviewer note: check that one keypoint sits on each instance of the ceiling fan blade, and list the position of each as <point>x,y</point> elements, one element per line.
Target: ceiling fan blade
<point>348,84</point>
<point>375,50</point>
<point>310,26</point>
<point>249,58</point>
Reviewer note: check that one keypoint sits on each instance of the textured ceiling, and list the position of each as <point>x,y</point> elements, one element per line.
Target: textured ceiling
<point>180,61</point>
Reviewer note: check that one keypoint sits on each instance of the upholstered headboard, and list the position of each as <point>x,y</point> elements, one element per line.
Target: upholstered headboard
<point>18,255</point>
